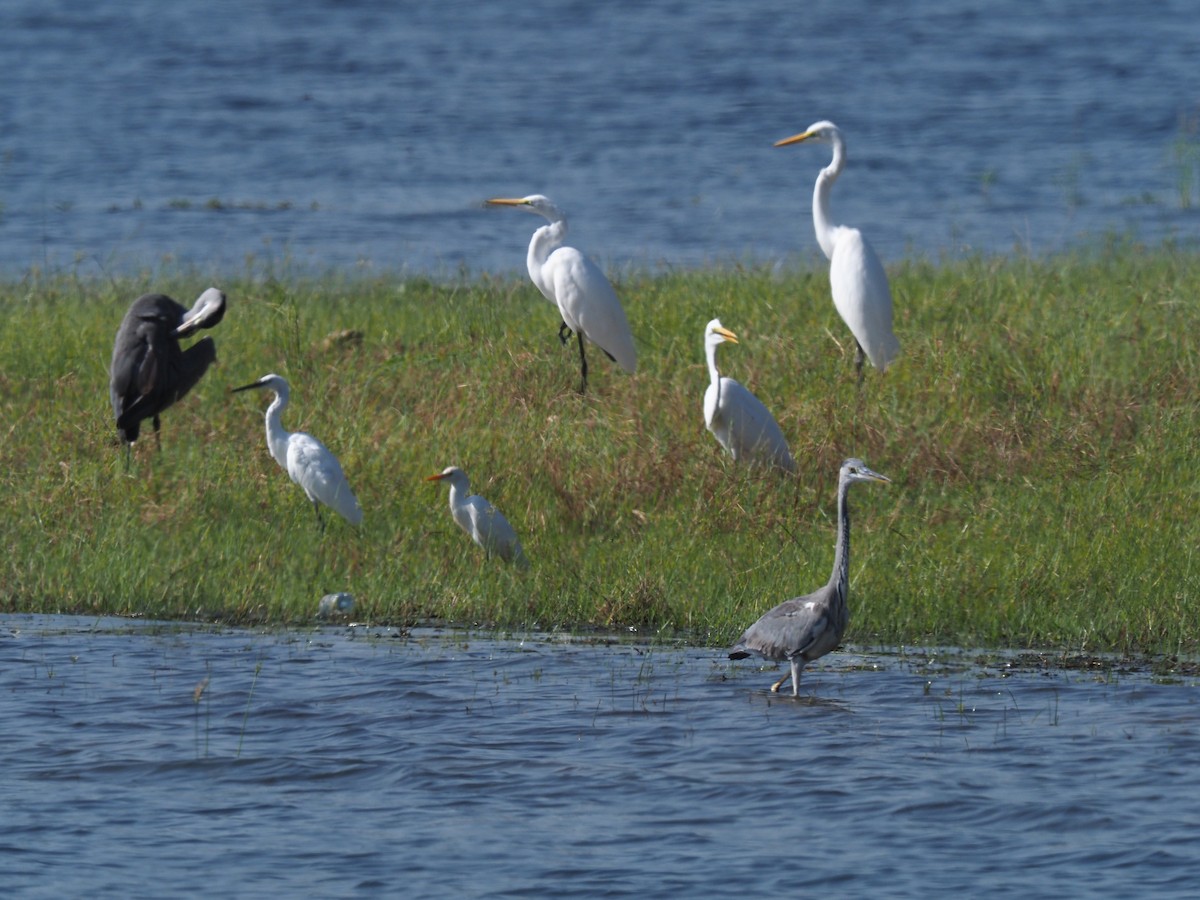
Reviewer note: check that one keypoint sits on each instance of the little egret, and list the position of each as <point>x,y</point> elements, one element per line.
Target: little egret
<point>585,299</point>
<point>856,276</point>
<point>306,460</point>
<point>804,628</point>
<point>149,371</point>
<point>737,418</point>
<point>483,522</point>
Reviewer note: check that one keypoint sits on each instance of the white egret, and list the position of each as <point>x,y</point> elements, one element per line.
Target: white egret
<point>802,629</point>
<point>483,522</point>
<point>737,418</point>
<point>856,276</point>
<point>149,371</point>
<point>307,461</point>
<point>587,302</point>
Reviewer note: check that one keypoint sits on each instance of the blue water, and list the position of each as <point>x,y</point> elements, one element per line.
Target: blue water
<point>316,134</point>
<point>145,760</point>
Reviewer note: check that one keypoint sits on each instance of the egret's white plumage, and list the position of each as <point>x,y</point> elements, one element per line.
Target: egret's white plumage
<point>307,461</point>
<point>737,418</point>
<point>585,299</point>
<point>857,279</point>
<point>483,522</point>
<point>802,629</point>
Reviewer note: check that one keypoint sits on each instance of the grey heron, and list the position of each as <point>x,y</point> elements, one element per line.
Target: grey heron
<point>307,461</point>
<point>802,629</point>
<point>483,522</point>
<point>738,419</point>
<point>149,370</point>
<point>857,279</point>
<point>586,300</point>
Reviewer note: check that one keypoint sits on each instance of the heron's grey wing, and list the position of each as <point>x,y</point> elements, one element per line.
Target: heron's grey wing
<point>137,367</point>
<point>788,630</point>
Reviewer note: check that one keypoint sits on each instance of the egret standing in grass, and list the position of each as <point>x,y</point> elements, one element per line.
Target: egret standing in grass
<point>802,629</point>
<point>587,302</point>
<point>738,419</point>
<point>483,522</point>
<point>149,370</point>
<point>306,460</point>
<point>856,276</point>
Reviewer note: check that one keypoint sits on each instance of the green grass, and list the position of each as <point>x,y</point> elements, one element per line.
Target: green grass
<point>1040,428</point>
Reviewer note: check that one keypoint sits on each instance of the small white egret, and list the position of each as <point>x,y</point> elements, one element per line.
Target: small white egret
<point>857,279</point>
<point>737,418</point>
<point>149,371</point>
<point>483,522</point>
<point>587,302</point>
<point>307,461</point>
<point>802,629</point>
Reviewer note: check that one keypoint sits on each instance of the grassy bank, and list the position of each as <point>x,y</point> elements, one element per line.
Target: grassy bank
<point>1040,428</point>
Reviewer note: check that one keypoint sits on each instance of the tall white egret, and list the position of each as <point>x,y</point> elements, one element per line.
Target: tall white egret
<point>802,629</point>
<point>149,371</point>
<point>856,276</point>
<point>587,302</point>
<point>483,522</point>
<point>307,461</point>
<point>737,418</point>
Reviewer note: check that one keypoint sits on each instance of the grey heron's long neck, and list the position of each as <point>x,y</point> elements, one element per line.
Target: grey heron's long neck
<point>841,555</point>
<point>545,241</point>
<point>823,223</point>
<point>277,437</point>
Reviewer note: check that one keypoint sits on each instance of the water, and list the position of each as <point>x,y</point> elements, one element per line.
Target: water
<point>318,134</point>
<point>365,761</point>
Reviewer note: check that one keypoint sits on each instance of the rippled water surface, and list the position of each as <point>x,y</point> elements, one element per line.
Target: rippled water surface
<point>322,133</point>
<point>145,759</point>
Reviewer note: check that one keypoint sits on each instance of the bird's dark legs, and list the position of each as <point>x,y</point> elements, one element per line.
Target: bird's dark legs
<point>564,333</point>
<point>582,363</point>
<point>317,510</point>
<point>858,362</point>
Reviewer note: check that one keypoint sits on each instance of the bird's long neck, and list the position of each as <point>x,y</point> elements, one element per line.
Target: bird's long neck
<point>823,223</point>
<point>710,351</point>
<point>545,241</point>
<point>840,578</point>
<point>277,437</point>
<point>458,495</point>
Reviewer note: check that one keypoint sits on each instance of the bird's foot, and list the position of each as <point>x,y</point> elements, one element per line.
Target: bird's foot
<point>564,333</point>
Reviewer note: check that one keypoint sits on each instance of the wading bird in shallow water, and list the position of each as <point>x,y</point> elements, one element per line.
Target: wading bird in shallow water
<point>585,299</point>
<point>306,460</point>
<point>738,419</point>
<point>802,629</point>
<point>149,370</point>
<point>483,522</point>
<point>856,277</point>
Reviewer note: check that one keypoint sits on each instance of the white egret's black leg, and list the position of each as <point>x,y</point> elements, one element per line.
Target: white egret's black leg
<point>320,520</point>
<point>564,333</point>
<point>582,363</point>
<point>859,359</point>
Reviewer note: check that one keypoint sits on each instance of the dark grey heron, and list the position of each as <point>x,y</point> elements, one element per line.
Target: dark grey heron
<point>149,369</point>
<point>802,629</point>
<point>307,461</point>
